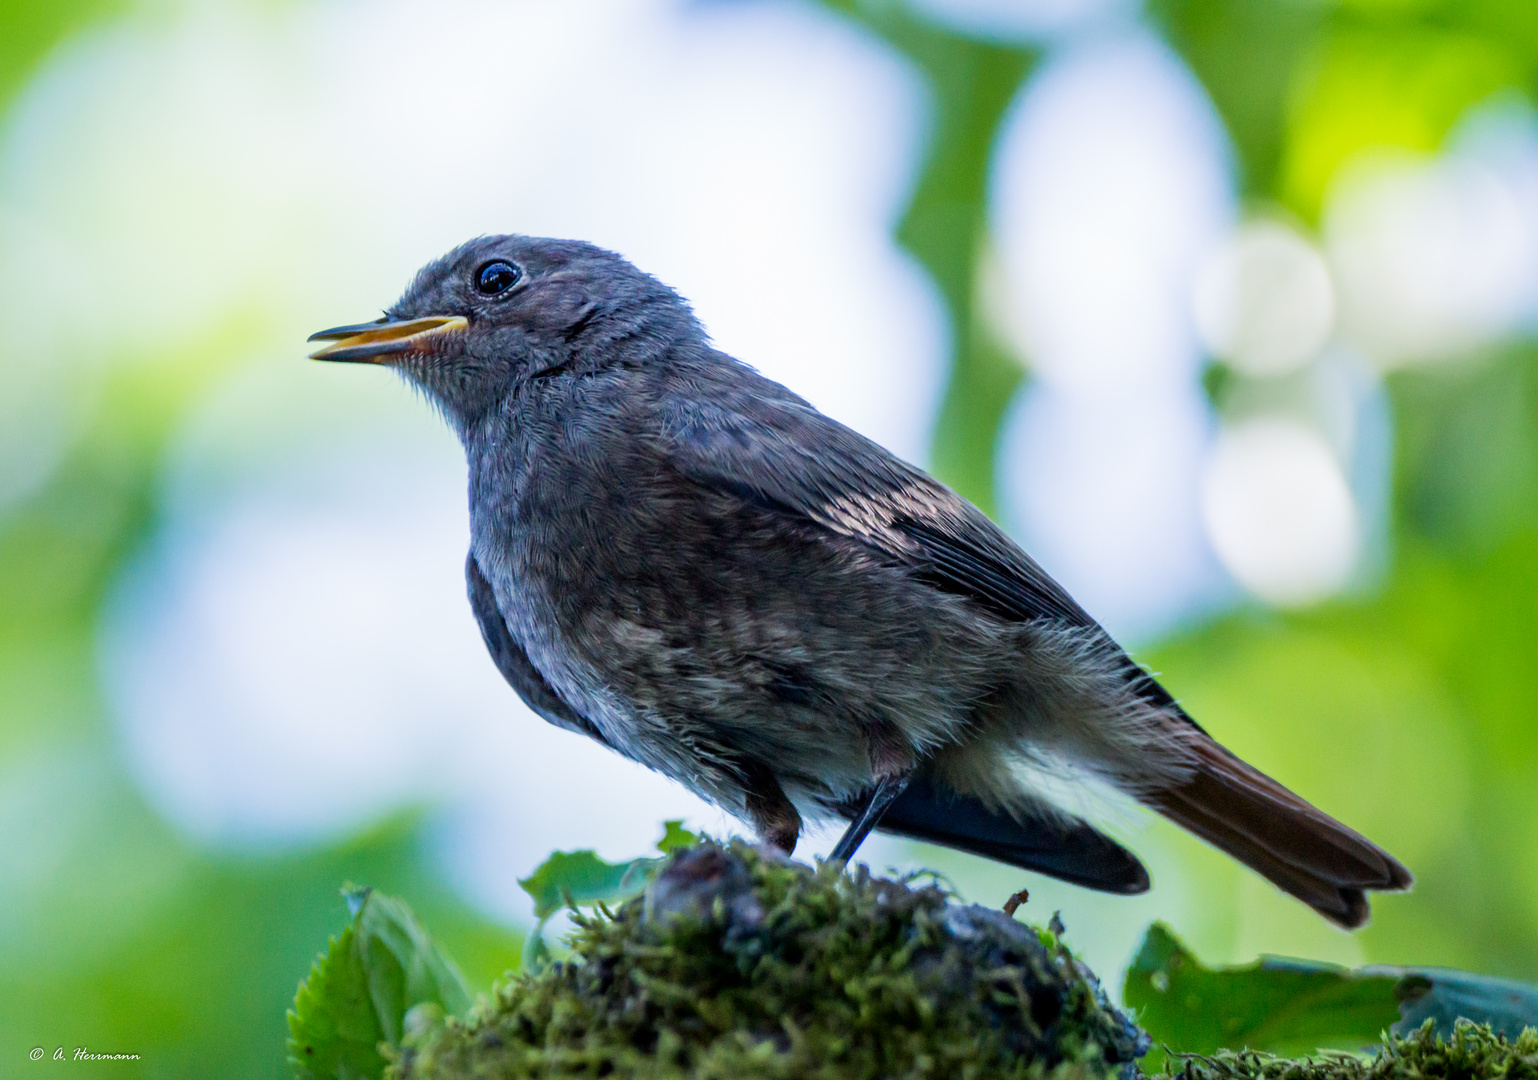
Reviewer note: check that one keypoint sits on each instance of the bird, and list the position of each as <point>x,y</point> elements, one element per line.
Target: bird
<point>686,562</point>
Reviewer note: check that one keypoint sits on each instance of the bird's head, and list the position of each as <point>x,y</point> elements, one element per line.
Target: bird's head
<point>500,310</point>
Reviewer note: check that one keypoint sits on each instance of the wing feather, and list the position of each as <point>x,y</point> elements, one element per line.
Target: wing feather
<point>764,444</point>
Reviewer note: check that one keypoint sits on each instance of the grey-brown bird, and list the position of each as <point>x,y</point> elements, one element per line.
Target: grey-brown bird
<point>683,560</point>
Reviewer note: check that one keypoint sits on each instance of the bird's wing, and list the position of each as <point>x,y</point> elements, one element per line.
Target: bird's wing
<point>514,663</point>
<point>776,451</point>
<point>779,452</point>
<point>1051,843</point>
<point>768,446</point>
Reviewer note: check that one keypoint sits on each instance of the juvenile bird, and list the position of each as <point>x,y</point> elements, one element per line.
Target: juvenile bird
<point>683,560</point>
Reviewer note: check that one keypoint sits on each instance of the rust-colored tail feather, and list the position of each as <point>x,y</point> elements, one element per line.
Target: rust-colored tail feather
<point>1299,848</point>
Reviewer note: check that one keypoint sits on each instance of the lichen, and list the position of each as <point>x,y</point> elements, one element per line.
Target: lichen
<point>1471,1052</point>
<point>738,965</point>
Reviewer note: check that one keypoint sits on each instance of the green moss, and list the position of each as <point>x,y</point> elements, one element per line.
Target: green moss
<point>1472,1052</point>
<point>734,965</point>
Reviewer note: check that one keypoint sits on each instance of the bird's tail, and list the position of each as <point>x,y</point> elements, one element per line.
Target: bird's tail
<point>1298,847</point>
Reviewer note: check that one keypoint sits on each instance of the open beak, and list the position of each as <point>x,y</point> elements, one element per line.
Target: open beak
<point>377,341</point>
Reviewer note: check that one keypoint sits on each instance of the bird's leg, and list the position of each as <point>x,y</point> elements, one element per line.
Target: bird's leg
<point>774,816</point>
<point>890,753</point>
<point>876,803</point>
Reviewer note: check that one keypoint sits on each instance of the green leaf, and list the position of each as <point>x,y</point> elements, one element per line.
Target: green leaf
<point>581,879</point>
<point>1279,1006</point>
<point>676,837</point>
<point>1298,1006</point>
<point>332,1028</point>
<point>381,966</point>
<point>1447,996</point>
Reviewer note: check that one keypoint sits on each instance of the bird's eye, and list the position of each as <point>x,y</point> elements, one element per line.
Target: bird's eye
<point>497,277</point>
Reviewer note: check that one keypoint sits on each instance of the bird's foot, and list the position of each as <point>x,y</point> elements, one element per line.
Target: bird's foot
<point>773,815</point>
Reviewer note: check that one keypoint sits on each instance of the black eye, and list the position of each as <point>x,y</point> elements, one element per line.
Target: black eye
<point>497,277</point>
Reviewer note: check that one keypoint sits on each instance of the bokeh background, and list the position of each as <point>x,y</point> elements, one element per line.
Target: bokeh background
<point>1224,308</point>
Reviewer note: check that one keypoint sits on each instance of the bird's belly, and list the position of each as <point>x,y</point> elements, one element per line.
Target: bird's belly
<point>787,660</point>
<point>680,706</point>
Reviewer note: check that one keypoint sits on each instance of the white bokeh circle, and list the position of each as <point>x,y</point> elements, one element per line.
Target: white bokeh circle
<point>1264,300</point>
<point>1280,511</point>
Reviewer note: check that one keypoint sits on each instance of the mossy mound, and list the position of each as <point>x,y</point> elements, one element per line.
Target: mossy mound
<point>736,965</point>
<point>1472,1052</point>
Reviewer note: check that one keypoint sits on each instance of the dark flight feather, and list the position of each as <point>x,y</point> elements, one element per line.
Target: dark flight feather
<point>1058,846</point>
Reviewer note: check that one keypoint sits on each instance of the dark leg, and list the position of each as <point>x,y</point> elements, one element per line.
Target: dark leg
<point>774,816</point>
<point>881,796</point>
<point>890,752</point>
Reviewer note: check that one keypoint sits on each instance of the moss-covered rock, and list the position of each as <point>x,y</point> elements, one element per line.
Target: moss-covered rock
<point>737,965</point>
<point>1472,1052</point>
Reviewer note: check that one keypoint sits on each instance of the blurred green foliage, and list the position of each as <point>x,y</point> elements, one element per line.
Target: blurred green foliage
<point>1305,85</point>
<point>1405,709</point>
<point>116,933</point>
<point>946,226</point>
<point>31,30</point>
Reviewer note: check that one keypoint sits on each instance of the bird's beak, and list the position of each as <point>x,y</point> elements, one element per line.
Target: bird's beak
<point>377,341</point>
